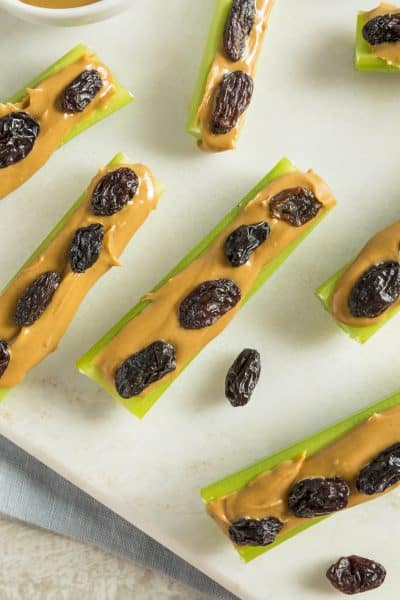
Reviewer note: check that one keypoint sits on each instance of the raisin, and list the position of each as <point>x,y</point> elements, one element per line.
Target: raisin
<point>355,574</point>
<point>4,357</point>
<point>376,290</point>
<point>114,191</point>
<point>81,91</point>
<point>318,496</point>
<point>233,97</point>
<point>382,29</point>
<point>86,247</point>
<point>208,302</point>
<point>36,298</point>
<point>381,473</point>
<point>242,242</point>
<point>296,206</point>
<point>239,23</point>
<point>143,368</point>
<point>18,134</point>
<point>243,377</point>
<point>255,532</point>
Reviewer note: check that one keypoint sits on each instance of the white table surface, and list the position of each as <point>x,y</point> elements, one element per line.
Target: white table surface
<point>309,105</point>
<point>40,565</point>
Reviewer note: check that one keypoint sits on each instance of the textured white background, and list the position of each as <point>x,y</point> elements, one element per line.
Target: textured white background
<point>310,105</point>
<point>39,565</point>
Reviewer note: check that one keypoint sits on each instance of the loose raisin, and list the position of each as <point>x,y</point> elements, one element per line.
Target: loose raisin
<point>36,298</point>
<point>233,97</point>
<point>382,29</point>
<point>81,91</point>
<point>208,302</point>
<point>376,290</point>
<point>18,134</point>
<point>355,574</point>
<point>4,357</point>
<point>86,247</point>
<point>296,206</point>
<point>255,532</point>
<point>242,242</point>
<point>381,473</point>
<point>114,191</point>
<point>243,377</point>
<point>238,25</point>
<point>318,496</point>
<point>143,368</point>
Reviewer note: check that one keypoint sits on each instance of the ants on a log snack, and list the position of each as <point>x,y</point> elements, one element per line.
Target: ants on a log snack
<point>225,84</point>
<point>142,355</point>
<point>67,98</point>
<point>39,303</point>
<point>352,462</point>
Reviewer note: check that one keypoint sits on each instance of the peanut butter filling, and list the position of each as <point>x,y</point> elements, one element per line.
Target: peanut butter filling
<point>42,103</point>
<point>220,67</point>
<point>267,495</point>
<point>58,3</point>
<point>389,52</point>
<point>159,320</point>
<point>29,345</point>
<point>384,246</point>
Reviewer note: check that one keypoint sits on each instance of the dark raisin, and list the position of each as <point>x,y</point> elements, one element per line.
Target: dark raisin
<point>296,206</point>
<point>81,91</point>
<point>318,496</point>
<point>376,290</point>
<point>4,357</point>
<point>243,377</point>
<point>208,303</point>
<point>355,574</point>
<point>143,368</point>
<point>233,97</point>
<point>114,191</point>
<point>381,473</point>
<point>255,532</point>
<point>36,298</point>
<point>86,247</point>
<point>237,28</point>
<point>381,29</point>
<point>242,242</point>
<point>18,134</point>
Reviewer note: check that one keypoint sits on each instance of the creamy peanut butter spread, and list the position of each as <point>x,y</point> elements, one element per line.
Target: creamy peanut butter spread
<point>29,345</point>
<point>58,3</point>
<point>384,246</point>
<point>389,52</point>
<point>42,103</point>
<point>159,320</point>
<point>220,67</point>
<point>267,495</point>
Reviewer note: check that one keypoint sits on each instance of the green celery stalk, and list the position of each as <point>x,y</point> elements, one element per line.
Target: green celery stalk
<point>218,21</point>
<point>121,98</point>
<point>361,334</point>
<point>139,406</point>
<point>364,58</point>
<point>119,158</point>
<point>311,445</point>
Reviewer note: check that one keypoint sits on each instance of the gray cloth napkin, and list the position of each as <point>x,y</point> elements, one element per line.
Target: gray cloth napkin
<point>31,492</point>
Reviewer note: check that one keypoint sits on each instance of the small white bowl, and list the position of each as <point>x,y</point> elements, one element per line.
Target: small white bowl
<point>103,9</point>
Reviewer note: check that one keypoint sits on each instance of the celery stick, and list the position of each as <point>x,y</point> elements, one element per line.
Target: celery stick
<point>139,406</point>
<point>311,445</point>
<point>120,98</point>
<point>364,58</point>
<point>119,158</point>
